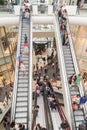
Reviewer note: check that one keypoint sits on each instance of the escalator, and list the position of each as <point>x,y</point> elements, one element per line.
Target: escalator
<point>71,67</point>
<point>20,102</point>
<point>43,114</point>
<point>78,114</point>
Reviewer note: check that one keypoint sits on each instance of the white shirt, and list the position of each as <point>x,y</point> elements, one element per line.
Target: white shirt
<point>23,8</point>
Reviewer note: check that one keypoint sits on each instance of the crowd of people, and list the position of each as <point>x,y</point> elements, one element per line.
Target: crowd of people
<point>26,7</point>
<point>74,79</point>
<point>43,81</point>
<point>12,126</point>
<point>62,17</point>
<point>39,127</point>
<point>7,93</point>
<point>77,101</point>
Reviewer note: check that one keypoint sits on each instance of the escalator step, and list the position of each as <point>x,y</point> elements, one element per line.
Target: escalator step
<point>22,94</point>
<point>20,99</point>
<point>65,47</point>
<point>78,123</point>
<point>68,59</point>
<point>69,65</point>
<point>21,115</point>
<point>20,104</point>
<point>23,78</point>
<point>22,89</point>
<point>22,85</point>
<point>21,120</point>
<point>79,118</point>
<point>68,62</point>
<point>74,93</point>
<point>22,109</point>
<point>70,72</point>
<point>66,52</point>
<point>21,73</point>
<point>70,69</point>
<point>23,81</point>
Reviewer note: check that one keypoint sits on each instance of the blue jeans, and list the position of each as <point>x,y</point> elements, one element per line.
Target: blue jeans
<point>27,20</point>
<point>23,15</point>
<point>9,8</point>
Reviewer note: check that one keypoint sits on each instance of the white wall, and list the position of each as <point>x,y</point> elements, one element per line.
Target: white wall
<point>10,21</point>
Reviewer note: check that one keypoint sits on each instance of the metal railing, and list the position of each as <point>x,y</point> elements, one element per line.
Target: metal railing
<point>30,73</point>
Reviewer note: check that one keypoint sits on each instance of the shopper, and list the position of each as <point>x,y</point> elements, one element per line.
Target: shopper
<point>78,79</point>
<point>25,38</point>
<point>22,68</point>
<point>6,123</point>
<point>4,82</point>
<point>38,127</point>
<point>36,110</point>
<point>78,6</point>
<point>26,48</point>
<point>21,126</point>
<point>9,5</point>
<point>20,59</point>
<point>13,126</point>
<point>7,97</point>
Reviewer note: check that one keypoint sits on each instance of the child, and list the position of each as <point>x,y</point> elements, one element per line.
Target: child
<point>22,67</point>
<point>19,59</point>
<point>26,48</point>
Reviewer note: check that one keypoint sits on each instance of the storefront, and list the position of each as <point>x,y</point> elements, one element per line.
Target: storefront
<point>8,45</point>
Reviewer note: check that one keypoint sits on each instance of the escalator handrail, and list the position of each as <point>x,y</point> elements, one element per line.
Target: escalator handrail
<point>30,73</point>
<point>28,79</point>
<point>63,117</point>
<point>47,112</point>
<point>34,113</point>
<point>16,73</point>
<point>61,112</point>
<point>63,74</point>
